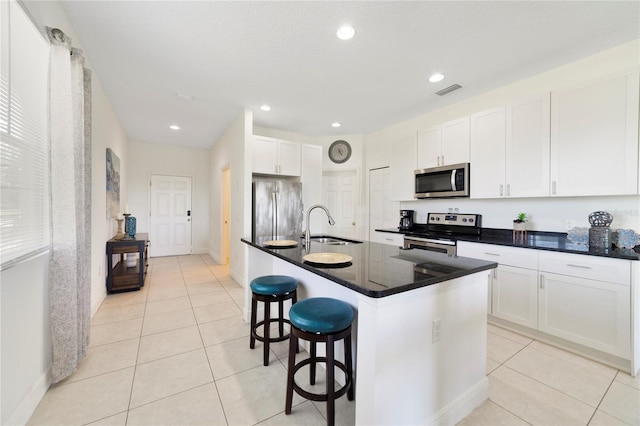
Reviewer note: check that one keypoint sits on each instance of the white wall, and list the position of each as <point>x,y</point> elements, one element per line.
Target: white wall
<point>548,214</point>
<point>229,152</point>
<point>26,339</point>
<point>146,159</point>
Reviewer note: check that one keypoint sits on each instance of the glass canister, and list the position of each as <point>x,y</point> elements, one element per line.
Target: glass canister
<point>130,226</point>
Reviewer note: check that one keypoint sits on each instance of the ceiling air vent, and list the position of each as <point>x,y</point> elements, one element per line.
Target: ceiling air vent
<point>448,89</point>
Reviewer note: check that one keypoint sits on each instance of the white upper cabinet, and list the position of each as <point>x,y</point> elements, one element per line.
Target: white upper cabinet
<point>429,147</point>
<point>455,141</point>
<point>447,143</point>
<point>510,150</point>
<point>403,166</point>
<point>488,153</point>
<point>275,156</point>
<point>527,147</point>
<point>594,137</point>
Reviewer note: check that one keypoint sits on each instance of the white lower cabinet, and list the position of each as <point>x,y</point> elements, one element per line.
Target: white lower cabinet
<point>579,298</point>
<point>586,301</point>
<point>513,290</point>
<point>515,295</point>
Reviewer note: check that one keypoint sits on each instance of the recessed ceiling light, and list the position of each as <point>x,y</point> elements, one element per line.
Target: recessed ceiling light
<point>346,32</point>
<point>436,77</point>
<point>174,127</point>
<point>336,124</point>
<point>265,108</point>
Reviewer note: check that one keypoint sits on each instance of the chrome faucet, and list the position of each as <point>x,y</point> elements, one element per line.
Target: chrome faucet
<point>307,234</point>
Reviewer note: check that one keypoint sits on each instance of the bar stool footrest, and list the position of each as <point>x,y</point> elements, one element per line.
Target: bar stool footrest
<point>282,338</point>
<point>321,396</point>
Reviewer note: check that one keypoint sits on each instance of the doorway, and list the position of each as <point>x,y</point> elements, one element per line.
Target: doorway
<point>341,195</point>
<point>170,215</point>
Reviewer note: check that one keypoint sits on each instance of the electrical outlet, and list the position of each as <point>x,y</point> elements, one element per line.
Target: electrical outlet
<point>435,330</point>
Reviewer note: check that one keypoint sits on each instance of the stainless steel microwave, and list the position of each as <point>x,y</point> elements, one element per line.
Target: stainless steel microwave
<point>442,181</point>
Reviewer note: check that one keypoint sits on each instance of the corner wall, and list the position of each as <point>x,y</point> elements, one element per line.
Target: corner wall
<point>229,152</point>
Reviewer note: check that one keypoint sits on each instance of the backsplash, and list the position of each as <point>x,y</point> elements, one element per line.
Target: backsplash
<point>544,214</point>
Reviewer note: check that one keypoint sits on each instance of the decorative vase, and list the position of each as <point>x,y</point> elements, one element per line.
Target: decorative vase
<point>600,233</point>
<point>519,226</point>
<point>120,233</point>
<point>519,232</point>
<point>130,225</point>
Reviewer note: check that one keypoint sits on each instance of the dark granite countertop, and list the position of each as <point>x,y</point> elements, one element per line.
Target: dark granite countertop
<point>380,270</point>
<point>539,240</point>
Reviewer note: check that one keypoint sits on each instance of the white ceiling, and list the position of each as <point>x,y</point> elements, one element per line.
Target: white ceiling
<point>231,55</point>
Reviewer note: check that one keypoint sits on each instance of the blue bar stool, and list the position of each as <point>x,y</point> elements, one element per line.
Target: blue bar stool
<point>270,289</point>
<point>325,320</point>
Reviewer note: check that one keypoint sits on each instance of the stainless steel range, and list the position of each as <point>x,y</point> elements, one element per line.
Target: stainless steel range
<point>441,232</point>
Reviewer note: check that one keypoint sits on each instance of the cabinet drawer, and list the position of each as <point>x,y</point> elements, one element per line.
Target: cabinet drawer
<point>591,267</point>
<point>512,256</point>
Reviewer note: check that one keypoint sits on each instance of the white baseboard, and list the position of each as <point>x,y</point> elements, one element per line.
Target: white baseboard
<point>214,256</point>
<point>462,406</point>
<point>28,405</point>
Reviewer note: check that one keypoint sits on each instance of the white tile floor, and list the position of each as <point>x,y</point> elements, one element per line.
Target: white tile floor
<point>177,353</point>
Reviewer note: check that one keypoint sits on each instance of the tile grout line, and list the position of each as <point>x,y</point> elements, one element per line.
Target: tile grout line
<point>604,395</point>
<point>206,354</point>
<point>135,366</point>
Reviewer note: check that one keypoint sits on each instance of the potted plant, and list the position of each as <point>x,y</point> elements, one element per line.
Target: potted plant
<point>520,223</point>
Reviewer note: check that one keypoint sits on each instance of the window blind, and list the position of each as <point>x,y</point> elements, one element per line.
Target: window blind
<point>24,164</point>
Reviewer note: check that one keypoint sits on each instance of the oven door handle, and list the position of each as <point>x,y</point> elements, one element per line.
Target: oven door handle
<point>431,241</point>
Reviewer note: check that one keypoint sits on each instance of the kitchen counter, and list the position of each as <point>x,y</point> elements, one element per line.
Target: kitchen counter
<point>380,270</point>
<point>420,329</point>
<point>538,240</point>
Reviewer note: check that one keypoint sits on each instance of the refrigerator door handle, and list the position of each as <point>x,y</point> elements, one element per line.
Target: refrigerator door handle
<point>274,215</point>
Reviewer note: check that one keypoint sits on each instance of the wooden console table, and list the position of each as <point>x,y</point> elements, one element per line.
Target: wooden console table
<point>120,277</point>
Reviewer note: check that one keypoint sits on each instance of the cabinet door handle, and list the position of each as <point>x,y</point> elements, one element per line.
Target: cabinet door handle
<point>578,266</point>
<point>491,254</point>
<point>541,282</point>
<point>508,190</point>
<point>501,190</point>
<point>553,188</point>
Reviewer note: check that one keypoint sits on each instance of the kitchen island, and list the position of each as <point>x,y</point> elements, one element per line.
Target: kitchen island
<point>420,330</point>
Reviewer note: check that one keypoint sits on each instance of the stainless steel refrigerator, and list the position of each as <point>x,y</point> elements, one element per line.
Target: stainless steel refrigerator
<point>277,209</point>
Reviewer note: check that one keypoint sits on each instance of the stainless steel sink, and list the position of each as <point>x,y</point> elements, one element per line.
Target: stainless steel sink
<point>334,241</point>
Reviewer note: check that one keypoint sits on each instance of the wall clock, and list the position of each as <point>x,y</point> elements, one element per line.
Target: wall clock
<point>339,151</point>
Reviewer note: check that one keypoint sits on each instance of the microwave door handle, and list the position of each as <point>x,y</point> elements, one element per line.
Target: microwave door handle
<point>453,179</point>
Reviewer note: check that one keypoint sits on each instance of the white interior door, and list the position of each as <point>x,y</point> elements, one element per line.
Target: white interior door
<point>383,213</point>
<point>341,196</point>
<point>170,216</point>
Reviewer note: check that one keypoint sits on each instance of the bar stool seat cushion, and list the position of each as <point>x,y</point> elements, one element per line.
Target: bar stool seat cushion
<point>321,315</point>
<point>273,284</point>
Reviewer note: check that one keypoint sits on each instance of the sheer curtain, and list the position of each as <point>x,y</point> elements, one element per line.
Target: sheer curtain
<point>70,180</point>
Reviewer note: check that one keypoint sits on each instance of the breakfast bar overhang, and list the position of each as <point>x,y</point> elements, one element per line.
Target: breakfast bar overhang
<point>420,331</point>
